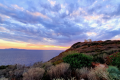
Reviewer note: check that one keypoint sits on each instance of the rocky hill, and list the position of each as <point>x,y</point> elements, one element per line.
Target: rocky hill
<point>95,47</point>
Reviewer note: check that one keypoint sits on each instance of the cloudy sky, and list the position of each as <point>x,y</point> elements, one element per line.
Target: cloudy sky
<point>57,24</point>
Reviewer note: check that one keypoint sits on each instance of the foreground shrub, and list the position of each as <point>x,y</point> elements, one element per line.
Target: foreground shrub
<point>92,75</point>
<point>101,73</point>
<point>114,59</point>
<point>82,73</point>
<point>58,70</point>
<point>37,64</point>
<point>33,74</point>
<point>114,73</point>
<point>78,60</point>
<point>47,65</point>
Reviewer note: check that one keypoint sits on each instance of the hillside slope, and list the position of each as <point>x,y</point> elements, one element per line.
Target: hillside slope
<point>95,47</point>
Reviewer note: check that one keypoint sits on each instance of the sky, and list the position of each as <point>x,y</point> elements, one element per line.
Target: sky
<point>57,24</point>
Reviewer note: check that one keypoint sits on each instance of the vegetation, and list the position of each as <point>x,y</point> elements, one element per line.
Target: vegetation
<point>114,73</point>
<point>73,65</point>
<point>114,59</point>
<point>78,60</point>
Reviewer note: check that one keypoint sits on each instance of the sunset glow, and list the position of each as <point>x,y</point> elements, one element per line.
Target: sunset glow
<point>23,45</point>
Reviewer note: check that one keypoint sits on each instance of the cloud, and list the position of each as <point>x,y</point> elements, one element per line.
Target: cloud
<point>17,7</point>
<point>37,14</point>
<point>59,23</point>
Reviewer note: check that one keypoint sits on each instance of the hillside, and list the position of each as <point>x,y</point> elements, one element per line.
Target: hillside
<point>95,47</point>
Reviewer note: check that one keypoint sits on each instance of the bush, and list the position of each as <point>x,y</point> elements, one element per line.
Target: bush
<point>101,73</point>
<point>37,64</point>
<point>82,73</point>
<point>114,59</point>
<point>78,60</point>
<point>47,65</point>
<point>113,72</point>
<point>58,70</point>
<point>33,74</point>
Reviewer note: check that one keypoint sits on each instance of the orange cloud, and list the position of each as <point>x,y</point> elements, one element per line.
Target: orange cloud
<point>23,45</point>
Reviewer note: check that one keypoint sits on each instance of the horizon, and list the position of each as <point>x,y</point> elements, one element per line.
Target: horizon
<point>28,49</point>
<point>57,24</point>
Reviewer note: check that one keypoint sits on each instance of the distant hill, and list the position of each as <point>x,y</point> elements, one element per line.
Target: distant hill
<point>95,47</point>
<point>12,49</point>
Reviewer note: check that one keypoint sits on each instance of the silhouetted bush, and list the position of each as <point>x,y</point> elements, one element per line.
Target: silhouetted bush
<point>78,60</point>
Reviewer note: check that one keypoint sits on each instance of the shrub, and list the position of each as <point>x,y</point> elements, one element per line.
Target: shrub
<point>83,72</point>
<point>78,60</point>
<point>114,59</point>
<point>47,65</point>
<point>37,64</point>
<point>91,75</point>
<point>113,72</point>
<point>33,74</point>
<point>58,70</point>
<point>101,73</point>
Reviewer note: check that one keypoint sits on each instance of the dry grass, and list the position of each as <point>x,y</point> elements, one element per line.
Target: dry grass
<point>83,72</point>
<point>37,64</point>
<point>58,70</point>
<point>47,65</point>
<point>34,74</point>
<point>101,73</point>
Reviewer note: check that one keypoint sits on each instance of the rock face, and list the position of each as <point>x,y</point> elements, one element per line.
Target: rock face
<point>95,47</point>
